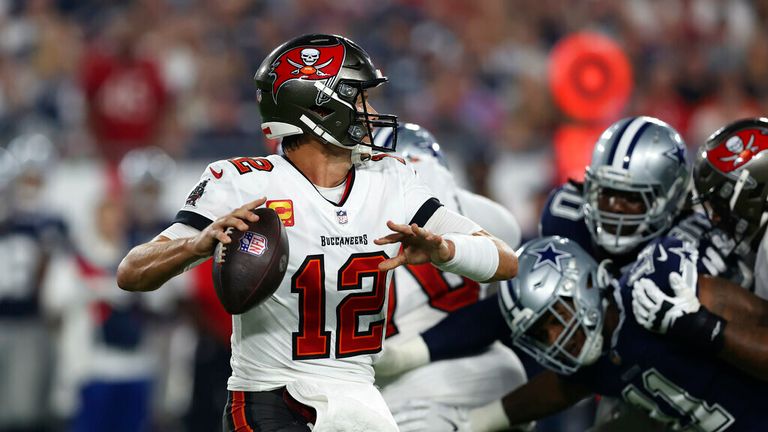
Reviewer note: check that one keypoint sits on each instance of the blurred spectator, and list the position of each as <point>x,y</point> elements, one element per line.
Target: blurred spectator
<point>142,175</point>
<point>224,137</point>
<point>30,237</point>
<point>729,103</point>
<point>126,98</point>
<point>109,355</point>
<point>117,370</point>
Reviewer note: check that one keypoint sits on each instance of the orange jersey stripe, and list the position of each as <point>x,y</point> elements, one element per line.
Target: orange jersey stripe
<point>238,412</point>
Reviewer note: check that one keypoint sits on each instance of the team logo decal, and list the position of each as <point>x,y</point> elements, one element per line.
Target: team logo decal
<point>550,256</point>
<point>316,63</point>
<point>196,193</point>
<point>253,243</point>
<point>284,210</point>
<point>739,149</point>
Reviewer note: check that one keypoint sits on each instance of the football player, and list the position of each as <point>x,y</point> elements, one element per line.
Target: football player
<point>423,294</point>
<point>634,191</point>
<point>730,175</point>
<point>576,320</point>
<point>304,356</point>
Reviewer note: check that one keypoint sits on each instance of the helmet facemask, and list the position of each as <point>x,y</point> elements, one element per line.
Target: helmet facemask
<point>735,204</point>
<point>555,307</point>
<point>621,232</point>
<point>642,163</point>
<point>579,342</point>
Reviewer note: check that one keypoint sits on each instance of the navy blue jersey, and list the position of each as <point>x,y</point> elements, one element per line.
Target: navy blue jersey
<point>563,215</point>
<point>26,242</point>
<point>683,387</point>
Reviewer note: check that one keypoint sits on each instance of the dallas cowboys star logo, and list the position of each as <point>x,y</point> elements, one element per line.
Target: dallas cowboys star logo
<point>676,153</point>
<point>686,253</point>
<point>551,256</point>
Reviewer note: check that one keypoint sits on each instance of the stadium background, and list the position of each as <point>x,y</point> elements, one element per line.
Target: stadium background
<point>476,73</point>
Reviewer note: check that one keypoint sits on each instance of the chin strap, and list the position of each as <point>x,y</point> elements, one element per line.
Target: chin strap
<point>361,154</point>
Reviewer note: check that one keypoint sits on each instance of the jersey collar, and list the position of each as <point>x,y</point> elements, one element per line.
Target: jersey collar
<point>350,180</point>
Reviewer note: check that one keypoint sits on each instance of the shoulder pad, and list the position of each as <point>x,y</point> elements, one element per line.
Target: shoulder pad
<point>562,215</point>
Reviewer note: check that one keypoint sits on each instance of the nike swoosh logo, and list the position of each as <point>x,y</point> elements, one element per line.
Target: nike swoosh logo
<point>662,254</point>
<point>450,422</point>
<point>216,174</point>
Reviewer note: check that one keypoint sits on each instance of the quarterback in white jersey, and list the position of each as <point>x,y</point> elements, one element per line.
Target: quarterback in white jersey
<point>303,358</point>
<point>424,294</point>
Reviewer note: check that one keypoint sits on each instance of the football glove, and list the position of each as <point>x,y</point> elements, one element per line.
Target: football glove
<point>430,416</point>
<point>399,358</point>
<point>681,316</point>
<point>657,311</point>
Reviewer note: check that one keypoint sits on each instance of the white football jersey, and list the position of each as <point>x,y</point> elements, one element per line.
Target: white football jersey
<point>327,318</point>
<point>424,295</point>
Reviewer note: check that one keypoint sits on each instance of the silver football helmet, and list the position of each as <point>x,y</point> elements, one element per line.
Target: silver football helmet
<point>558,285</point>
<point>35,153</point>
<point>37,156</point>
<point>413,141</point>
<point>146,165</point>
<point>644,158</point>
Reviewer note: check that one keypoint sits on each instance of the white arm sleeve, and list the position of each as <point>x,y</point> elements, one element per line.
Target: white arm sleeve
<point>179,230</point>
<point>444,221</point>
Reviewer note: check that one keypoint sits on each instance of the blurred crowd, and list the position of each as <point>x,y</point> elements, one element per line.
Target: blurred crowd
<point>90,82</point>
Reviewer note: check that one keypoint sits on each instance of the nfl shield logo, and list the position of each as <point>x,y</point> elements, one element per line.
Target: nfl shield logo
<point>253,243</point>
<point>341,216</point>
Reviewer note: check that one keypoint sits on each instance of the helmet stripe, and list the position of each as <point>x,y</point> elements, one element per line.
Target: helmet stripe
<point>614,142</point>
<point>631,148</point>
<point>383,137</point>
<point>625,140</point>
<point>737,188</point>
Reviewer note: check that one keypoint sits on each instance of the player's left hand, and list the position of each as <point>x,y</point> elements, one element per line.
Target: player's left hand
<point>430,416</point>
<point>419,246</point>
<point>657,311</point>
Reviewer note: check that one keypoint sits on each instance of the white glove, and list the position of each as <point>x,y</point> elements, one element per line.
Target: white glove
<point>655,310</point>
<point>429,416</point>
<point>713,261</point>
<point>400,358</point>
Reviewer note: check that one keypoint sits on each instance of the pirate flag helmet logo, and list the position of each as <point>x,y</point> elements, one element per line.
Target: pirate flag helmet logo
<point>321,63</point>
<point>316,84</point>
<point>731,178</point>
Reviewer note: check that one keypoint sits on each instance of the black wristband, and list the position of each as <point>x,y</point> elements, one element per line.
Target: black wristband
<point>702,331</point>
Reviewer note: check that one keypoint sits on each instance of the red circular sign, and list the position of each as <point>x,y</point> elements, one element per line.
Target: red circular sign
<point>590,76</point>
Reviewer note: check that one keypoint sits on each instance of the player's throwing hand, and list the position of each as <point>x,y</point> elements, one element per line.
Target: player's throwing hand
<point>419,246</point>
<point>205,242</point>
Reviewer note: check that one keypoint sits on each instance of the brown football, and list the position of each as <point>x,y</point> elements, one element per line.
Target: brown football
<point>249,269</point>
